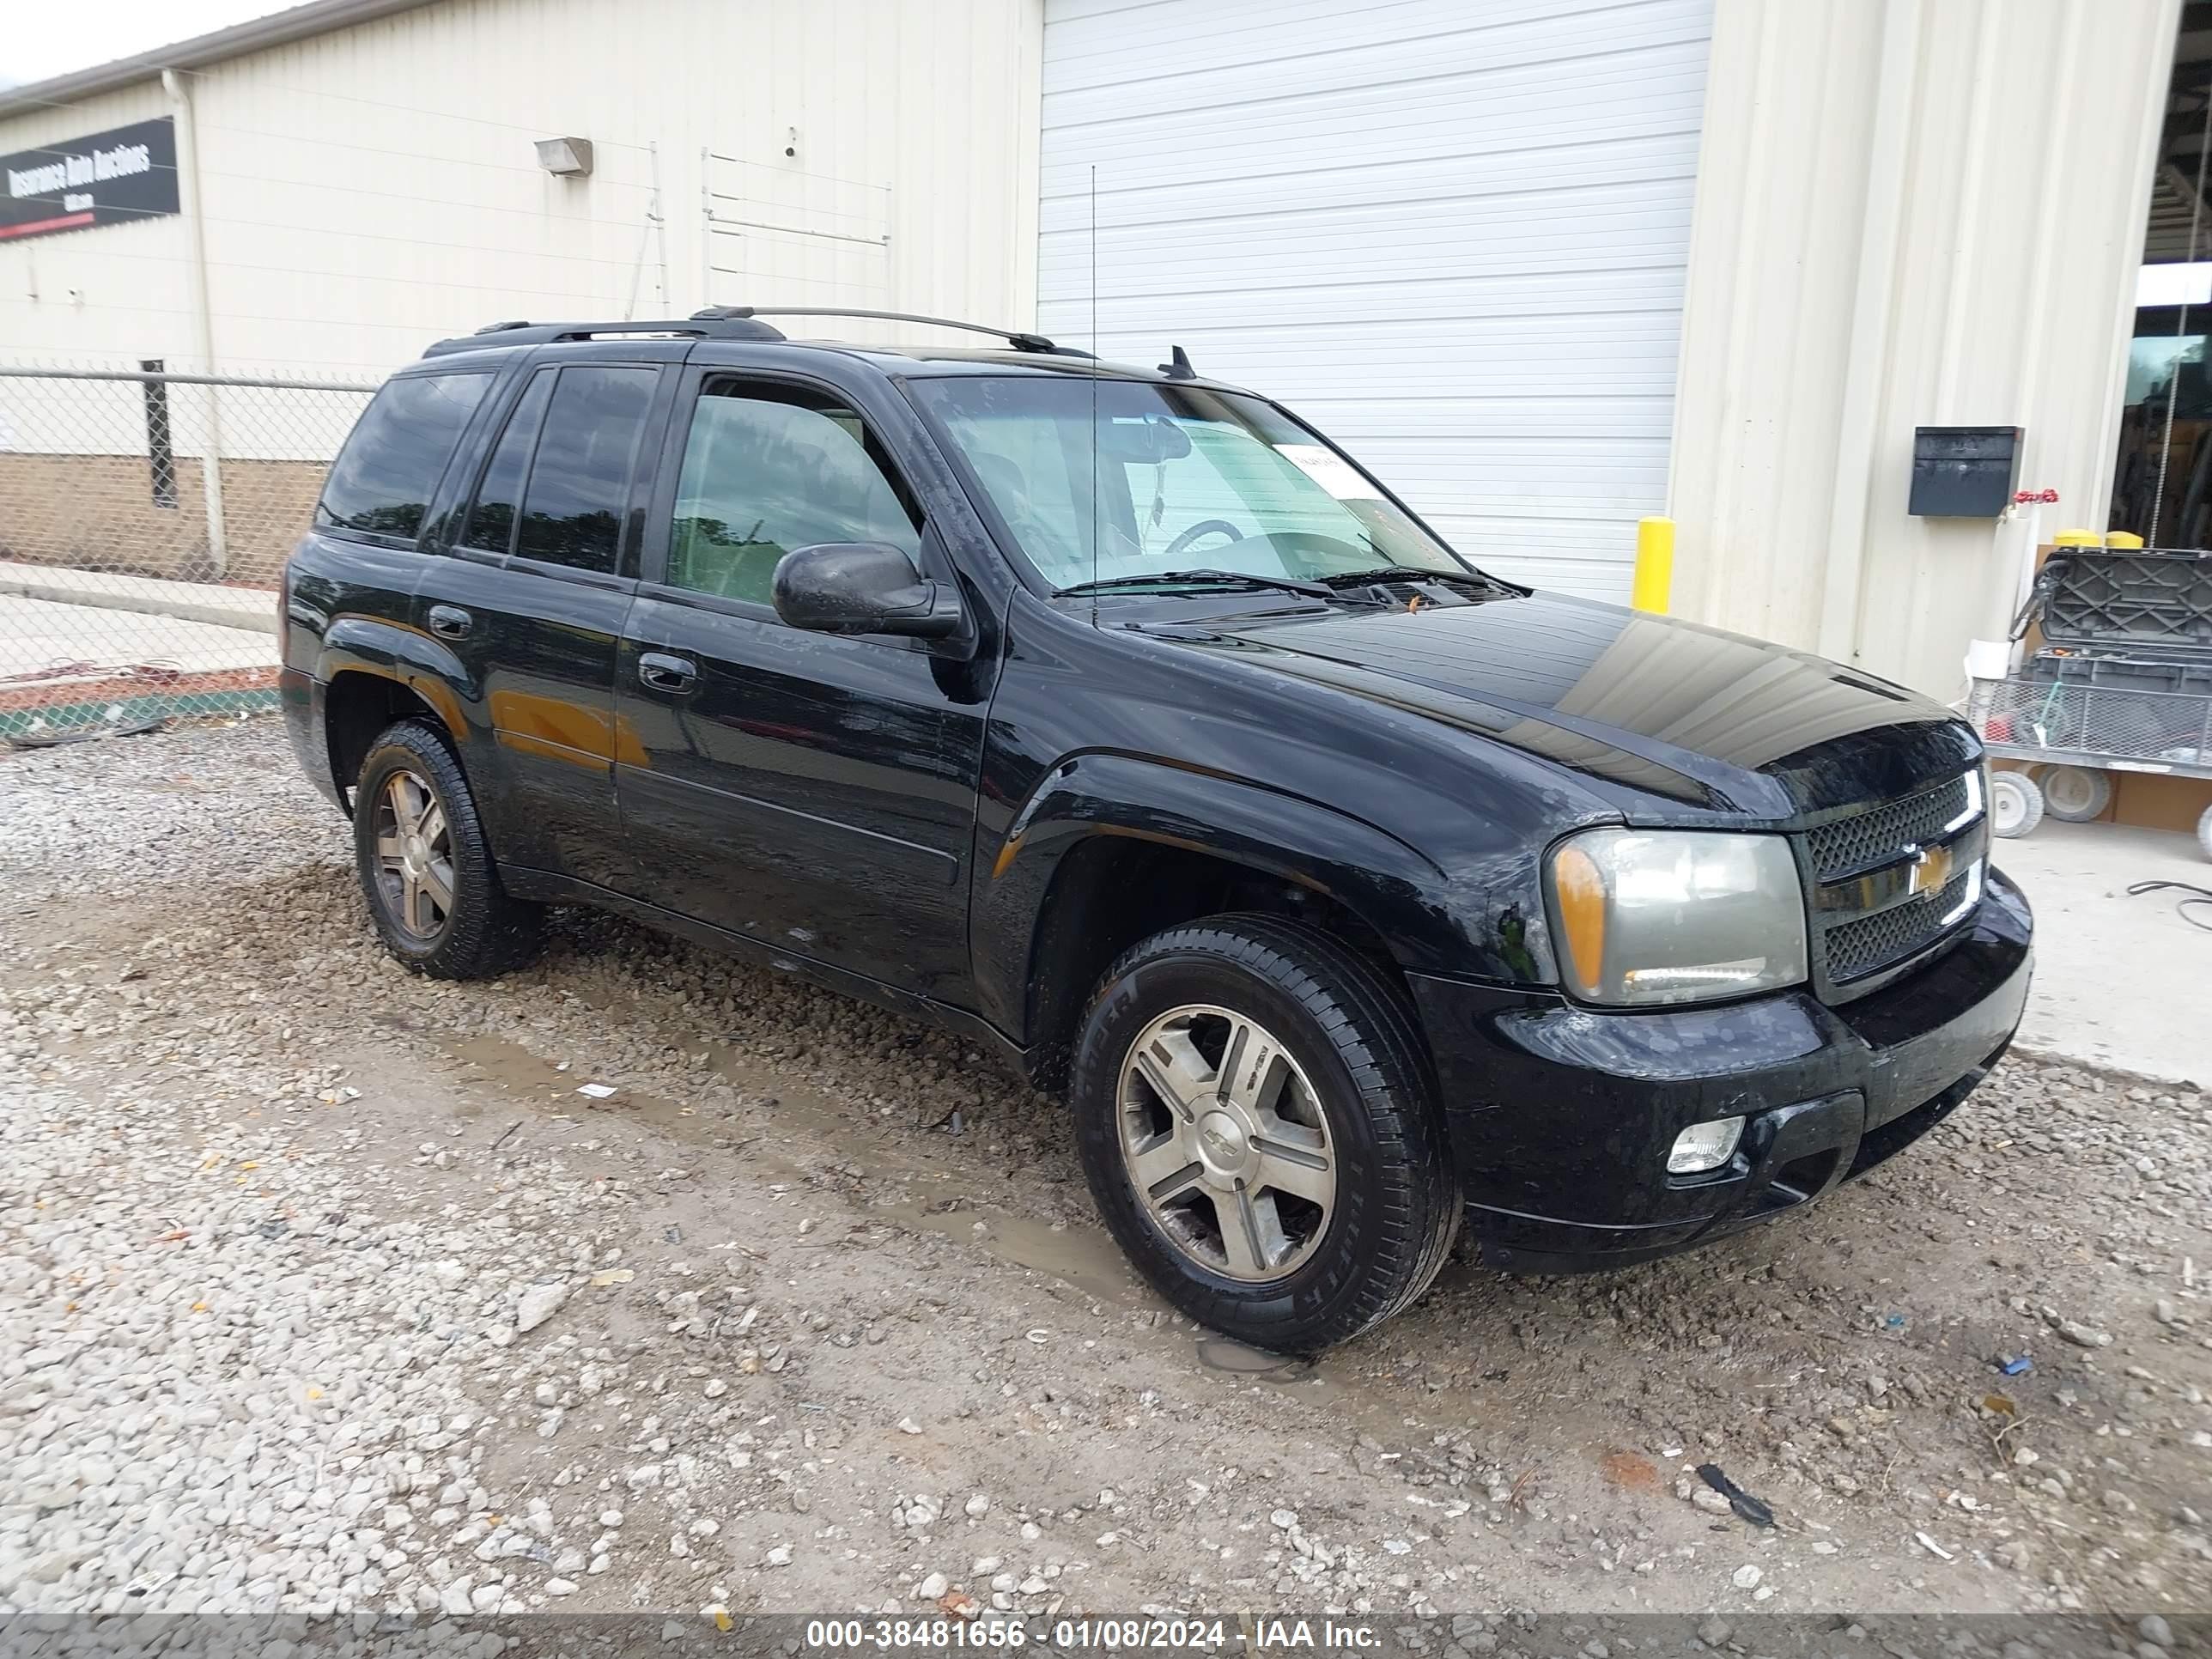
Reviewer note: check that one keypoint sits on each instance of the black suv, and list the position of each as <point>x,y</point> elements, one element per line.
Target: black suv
<point>1117,720</point>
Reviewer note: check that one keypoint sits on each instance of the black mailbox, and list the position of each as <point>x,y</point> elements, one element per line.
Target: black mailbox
<point>1963,471</point>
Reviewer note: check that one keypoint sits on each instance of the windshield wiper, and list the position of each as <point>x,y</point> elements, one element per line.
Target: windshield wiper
<point>1408,573</point>
<point>1204,579</point>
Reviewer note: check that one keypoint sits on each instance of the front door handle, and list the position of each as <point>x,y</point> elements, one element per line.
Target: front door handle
<point>665,673</point>
<point>450,621</point>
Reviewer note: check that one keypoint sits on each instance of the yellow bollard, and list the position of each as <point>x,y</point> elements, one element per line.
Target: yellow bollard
<point>2122,539</point>
<point>1655,565</point>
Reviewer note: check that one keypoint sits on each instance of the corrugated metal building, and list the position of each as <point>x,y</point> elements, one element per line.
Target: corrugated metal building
<point>1547,265</point>
<point>364,175</point>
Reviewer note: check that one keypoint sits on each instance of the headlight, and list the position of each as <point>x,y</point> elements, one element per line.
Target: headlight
<point>1671,916</point>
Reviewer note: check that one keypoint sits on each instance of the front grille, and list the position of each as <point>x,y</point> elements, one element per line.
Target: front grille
<point>1856,949</point>
<point>1871,840</point>
<point>1864,918</point>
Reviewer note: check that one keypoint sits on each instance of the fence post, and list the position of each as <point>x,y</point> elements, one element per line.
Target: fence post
<point>188,173</point>
<point>211,485</point>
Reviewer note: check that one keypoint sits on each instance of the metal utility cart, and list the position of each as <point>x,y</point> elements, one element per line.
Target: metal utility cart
<point>2122,682</point>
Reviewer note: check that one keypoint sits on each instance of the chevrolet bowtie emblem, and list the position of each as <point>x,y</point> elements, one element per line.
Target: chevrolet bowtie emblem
<point>1931,870</point>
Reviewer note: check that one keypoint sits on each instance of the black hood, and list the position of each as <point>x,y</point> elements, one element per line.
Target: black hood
<point>1686,711</point>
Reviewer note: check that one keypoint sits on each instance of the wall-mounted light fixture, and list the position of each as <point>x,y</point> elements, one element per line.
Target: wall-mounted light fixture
<point>569,158</point>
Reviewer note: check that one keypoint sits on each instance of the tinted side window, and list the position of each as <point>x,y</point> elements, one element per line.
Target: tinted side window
<point>383,478</point>
<point>491,520</point>
<point>572,510</point>
<point>766,471</point>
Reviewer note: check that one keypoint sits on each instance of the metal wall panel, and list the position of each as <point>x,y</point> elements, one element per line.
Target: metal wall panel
<point>373,189</point>
<point>1452,235</point>
<point>105,297</point>
<point>1910,213</point>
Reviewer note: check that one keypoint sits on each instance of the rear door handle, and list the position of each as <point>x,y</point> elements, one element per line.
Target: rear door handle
<point>665,673</point>
<point>450,621</point>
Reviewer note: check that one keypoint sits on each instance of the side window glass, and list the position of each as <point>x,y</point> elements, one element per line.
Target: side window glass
<point>766,471</point>
<point>572,510</point>
<point>382,480</point>
<point>491,520</point>
<point>1037,487</point>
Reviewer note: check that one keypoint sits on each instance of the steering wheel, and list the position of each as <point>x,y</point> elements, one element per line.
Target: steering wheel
<point>1203,527</point>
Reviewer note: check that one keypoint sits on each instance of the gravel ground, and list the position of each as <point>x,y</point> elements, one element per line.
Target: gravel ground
<point>323,1288</point>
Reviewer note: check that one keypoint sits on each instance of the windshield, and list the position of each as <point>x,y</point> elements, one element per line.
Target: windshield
<point>1187,479</point>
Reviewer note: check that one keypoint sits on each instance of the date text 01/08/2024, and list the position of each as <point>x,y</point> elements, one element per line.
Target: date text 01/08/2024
<point>1200,1635</point>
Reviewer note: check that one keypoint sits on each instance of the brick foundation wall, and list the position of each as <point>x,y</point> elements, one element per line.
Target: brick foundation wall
<point>97,513</point>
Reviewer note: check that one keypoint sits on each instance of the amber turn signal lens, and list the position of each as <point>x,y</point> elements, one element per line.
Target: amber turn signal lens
<point>1579,886</point>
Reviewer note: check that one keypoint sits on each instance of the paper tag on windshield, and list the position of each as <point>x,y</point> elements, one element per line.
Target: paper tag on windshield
<point>1329,469</point>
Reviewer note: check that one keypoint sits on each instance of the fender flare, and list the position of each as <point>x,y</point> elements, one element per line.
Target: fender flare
<point>393,651</point>
<point>1389,884</point>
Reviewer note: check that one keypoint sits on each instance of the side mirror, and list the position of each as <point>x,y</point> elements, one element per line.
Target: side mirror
<point>864,588</point>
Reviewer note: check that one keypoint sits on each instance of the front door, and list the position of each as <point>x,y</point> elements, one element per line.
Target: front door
<point>531,598</point>
<point>812,791</point>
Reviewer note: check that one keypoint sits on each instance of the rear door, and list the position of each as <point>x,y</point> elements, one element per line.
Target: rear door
<point>540,572</point>
<point>813,792</point>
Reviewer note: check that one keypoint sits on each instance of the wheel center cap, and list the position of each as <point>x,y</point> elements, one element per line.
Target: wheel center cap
<point>1223,1146</point>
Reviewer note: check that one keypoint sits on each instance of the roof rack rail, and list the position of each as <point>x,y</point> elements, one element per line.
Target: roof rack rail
<point>704,326</point>
<point>1020,339</point>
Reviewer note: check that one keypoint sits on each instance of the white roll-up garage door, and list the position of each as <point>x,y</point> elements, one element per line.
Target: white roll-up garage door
<point>1450,233</point>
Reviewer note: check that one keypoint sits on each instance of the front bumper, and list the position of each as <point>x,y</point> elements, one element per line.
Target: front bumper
<point>1561,1116</point>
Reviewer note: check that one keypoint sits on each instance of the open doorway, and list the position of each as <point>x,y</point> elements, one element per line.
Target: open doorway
<point>2162,481</point>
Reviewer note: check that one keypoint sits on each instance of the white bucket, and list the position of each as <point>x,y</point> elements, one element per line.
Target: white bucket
<point>1988,659</point>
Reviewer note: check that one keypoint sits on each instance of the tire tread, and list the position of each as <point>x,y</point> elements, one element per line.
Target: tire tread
<point>491,932</point>
<point>1367,1022</point>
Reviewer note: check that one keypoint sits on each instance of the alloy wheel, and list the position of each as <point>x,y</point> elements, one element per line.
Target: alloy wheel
<point>413,854</point>
<point>1225,1142</point>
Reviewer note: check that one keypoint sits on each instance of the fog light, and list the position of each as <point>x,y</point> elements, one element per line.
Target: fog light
<point>1704,1146</point>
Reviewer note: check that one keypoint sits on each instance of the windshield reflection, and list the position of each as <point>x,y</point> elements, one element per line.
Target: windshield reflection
<point>1103,480</point>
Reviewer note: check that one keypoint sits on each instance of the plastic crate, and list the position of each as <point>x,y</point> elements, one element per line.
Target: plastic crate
<point>2134,598</point>
<point>2123,670</point>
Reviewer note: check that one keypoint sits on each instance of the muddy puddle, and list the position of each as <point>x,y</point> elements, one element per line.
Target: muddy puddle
<point>939,1202</point>
<point>933,1200</point>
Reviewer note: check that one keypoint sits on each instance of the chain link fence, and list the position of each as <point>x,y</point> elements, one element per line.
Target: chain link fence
<point>144,515</point>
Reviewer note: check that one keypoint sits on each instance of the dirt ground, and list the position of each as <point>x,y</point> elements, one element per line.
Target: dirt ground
<point>818,1317</point>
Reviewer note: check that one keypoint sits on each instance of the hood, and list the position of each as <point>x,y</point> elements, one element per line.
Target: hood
<point>1693,713</point>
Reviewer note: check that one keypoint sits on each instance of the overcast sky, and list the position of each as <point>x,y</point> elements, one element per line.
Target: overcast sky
<point>40,41</point>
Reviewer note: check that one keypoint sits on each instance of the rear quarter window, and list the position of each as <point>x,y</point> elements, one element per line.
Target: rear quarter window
<point>382,480</point>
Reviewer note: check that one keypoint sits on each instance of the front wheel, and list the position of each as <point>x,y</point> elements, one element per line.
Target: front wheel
<point>426,867</point>
<point>1255,1114</point>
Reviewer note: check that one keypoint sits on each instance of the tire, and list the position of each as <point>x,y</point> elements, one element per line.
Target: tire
<point>2015,804</point>
<point>481,931</point>
<point>2075,794</point>
<point>1340,1058</point>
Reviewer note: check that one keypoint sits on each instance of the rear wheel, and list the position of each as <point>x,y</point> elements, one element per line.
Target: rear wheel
<point>425,867</point>
<point>1256,1118</point>
<point>2015,804</point>
<point>2075,794</point>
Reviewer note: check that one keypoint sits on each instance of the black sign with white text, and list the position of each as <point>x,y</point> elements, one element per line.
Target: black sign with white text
<point>108,178</point>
